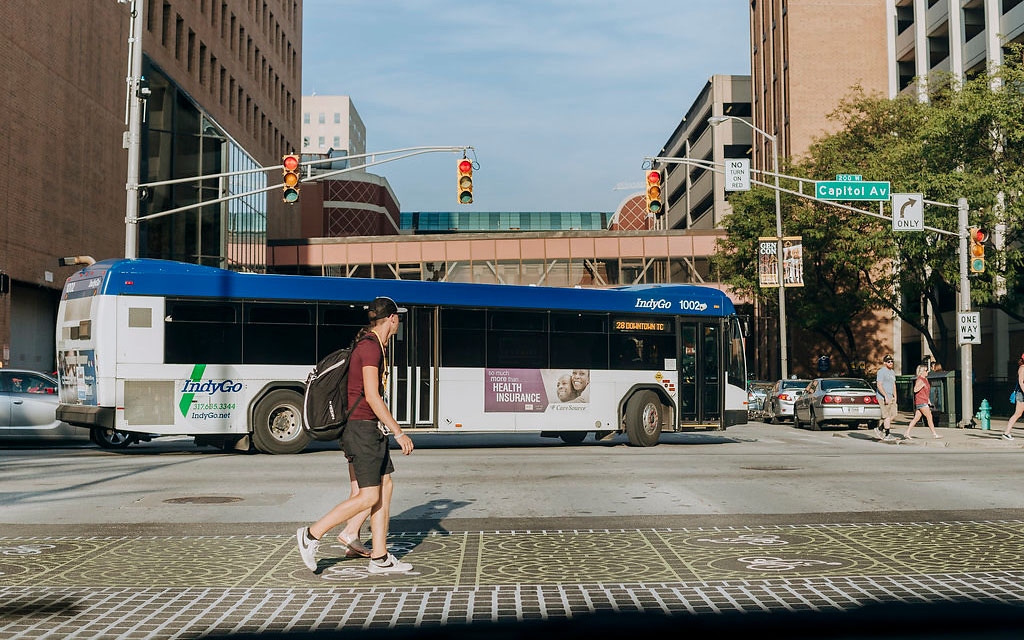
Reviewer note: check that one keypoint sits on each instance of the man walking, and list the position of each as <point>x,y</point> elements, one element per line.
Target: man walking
<point>886,383</point>
<point>365,442</point>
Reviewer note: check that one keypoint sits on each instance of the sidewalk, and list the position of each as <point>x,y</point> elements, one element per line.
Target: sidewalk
<point>952,437</point>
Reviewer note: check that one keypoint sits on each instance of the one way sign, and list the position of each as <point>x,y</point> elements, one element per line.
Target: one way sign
<point>969,327</point>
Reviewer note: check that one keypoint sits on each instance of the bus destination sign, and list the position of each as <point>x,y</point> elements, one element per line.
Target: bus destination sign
<point>641,325</point>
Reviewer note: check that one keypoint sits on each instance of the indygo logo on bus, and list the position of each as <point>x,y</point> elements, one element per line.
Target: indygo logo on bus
<point>195,384</point>
<point>653,304</point>
<point>686,305</point>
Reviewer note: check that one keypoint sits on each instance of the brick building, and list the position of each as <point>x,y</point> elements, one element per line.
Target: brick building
<point>226,88</point>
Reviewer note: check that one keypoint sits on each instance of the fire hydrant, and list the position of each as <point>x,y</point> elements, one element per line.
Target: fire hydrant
<point>984,415</point>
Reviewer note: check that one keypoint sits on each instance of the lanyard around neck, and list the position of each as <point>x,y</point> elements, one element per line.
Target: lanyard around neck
<point>384,356</point>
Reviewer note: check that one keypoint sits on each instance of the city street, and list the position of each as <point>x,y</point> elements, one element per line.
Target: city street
<point>169,540</point>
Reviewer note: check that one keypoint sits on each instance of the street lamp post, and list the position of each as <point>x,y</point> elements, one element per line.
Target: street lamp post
<point>783,351</point>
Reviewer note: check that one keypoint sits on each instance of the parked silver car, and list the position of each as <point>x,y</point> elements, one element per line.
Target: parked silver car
<point>842,401</point>
<point>28,407</point>
<point>779,405</point>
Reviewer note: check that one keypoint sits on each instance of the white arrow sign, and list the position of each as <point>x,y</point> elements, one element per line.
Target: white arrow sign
<point>907,212</point>
<point>968,327</point>
<point>737,174</point>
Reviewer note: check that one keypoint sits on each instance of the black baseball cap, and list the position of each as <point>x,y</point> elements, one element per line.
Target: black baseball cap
<point>383,308</point>
<point>888,358</point>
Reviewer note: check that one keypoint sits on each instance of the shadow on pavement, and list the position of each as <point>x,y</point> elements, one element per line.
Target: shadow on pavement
<point>944,619</point>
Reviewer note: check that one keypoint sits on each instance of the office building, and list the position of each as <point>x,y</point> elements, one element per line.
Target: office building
<point>932,38</point>
<point>695,196</point>
<point>332,123</point>
<point>225,80</point>
<point>806,56</point>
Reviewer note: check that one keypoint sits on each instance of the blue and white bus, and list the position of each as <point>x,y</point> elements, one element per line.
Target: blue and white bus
<point>150,347</point>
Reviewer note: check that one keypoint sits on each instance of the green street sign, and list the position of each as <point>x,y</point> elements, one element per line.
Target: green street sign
<point>842,190</point>
<point>848,177</point>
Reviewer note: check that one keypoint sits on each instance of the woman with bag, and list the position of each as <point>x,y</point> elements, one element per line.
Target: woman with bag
<point>922,406</point>
<point>1017,398</point>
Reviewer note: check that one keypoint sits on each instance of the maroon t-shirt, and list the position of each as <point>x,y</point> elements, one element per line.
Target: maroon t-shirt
<point>366,354</point>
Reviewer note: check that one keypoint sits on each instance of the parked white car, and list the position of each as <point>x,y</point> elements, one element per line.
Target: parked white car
<point>28,406</point>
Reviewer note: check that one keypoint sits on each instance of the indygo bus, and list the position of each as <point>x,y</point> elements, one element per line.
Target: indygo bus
<point>150,347</point>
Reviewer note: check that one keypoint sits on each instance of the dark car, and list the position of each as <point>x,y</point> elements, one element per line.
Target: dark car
<point>837,401</point>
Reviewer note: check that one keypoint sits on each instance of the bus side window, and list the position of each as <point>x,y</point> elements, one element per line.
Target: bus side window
<point>463,338</point>
<point>279,333</point>
<point>517,339</point>
<point>337,327</point>
<point>579,340</point>
<point>641,351</point>
<point>203,331</point>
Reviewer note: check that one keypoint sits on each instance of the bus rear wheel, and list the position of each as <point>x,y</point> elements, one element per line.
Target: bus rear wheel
<point>644,413</point>
<point>111,438</point>
<point>277,423</point>
<point>572,437</point>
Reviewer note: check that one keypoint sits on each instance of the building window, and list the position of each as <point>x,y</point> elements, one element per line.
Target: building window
<point>321,118</point>
<point>305,141</point>
<point>337,118</point>
<point>337,141</point>
<point>305,118</point>
<point>320,141</point>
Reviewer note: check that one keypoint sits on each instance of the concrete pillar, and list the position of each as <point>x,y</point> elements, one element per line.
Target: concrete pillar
<point>956,40</point>
<point>890,37</point>
<point>921,62</point>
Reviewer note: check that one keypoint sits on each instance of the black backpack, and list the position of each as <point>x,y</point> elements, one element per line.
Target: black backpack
<point>325,407</point>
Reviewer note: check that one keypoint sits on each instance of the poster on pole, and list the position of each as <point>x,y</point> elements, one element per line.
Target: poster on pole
<point>768,262</point>
<point>793,261</point>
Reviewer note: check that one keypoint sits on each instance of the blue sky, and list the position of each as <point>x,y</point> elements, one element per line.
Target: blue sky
<point>561,99</point>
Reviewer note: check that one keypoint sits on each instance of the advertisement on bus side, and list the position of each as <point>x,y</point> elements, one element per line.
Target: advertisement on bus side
<point>536,390</point>
<point>208,399</point>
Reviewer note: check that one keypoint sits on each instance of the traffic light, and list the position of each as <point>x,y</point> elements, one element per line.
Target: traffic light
<point>290,192</point>
<point>978,237</point>
<point>465,181</point>
<point>654,204</point>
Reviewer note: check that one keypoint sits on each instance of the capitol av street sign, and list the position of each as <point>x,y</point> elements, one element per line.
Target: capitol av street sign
<point>853,190</point>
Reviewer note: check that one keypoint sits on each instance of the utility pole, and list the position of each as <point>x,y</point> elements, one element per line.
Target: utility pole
<point>966,363</point>
<point>133,137</point>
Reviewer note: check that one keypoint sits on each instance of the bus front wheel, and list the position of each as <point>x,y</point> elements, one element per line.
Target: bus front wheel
<point>277,423</point>
<point>644,413</point>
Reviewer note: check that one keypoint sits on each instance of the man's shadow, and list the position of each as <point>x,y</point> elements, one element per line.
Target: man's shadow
<point>409,529</point>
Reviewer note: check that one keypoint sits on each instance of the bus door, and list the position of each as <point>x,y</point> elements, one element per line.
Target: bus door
<point>709,373</point>
<point>687,358</point>
<point>412,370</point>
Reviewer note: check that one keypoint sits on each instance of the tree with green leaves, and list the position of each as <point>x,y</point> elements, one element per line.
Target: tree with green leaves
<point>966,140</point>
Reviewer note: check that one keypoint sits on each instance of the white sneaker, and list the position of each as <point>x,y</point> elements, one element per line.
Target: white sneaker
<point>307,548</point>
<point>1006,436</point>
<point>390,564</point>
<point>878,433</point>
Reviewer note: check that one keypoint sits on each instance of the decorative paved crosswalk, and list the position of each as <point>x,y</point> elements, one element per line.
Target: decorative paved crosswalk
<point>187,586</point>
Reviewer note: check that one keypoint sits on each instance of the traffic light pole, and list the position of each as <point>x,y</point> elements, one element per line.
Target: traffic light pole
<point>412,151</point>
<point>133,139</point>
<point>966,355</point>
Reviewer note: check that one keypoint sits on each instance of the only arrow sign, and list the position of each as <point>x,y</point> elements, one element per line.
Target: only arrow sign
<point>910,202</point>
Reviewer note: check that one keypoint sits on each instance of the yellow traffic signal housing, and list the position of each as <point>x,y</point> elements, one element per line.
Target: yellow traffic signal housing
<point>465,181</point>
<point>976,259</point>
<point>653,192</point>
<point>290,190</point>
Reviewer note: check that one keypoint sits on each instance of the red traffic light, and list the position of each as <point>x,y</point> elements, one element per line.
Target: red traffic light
<point>465,166</point>
<point>980,236</point>
<point>291,162</point>
<point>653,177</point>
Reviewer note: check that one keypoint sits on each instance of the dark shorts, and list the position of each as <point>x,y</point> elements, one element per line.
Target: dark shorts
<point>366,449</point>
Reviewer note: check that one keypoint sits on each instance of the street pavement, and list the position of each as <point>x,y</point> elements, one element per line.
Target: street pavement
<point>164,541</point>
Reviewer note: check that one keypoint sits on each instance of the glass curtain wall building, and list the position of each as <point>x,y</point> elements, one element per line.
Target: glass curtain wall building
<point>180,140</point>
<point>462,221</point>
